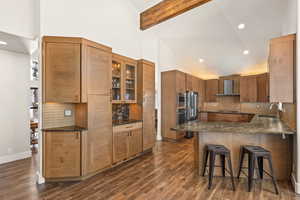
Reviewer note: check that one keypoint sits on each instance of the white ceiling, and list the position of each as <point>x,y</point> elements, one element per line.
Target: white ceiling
<point>210,32</point>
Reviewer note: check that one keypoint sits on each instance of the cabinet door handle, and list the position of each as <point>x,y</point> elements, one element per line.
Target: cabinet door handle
<point>129,127</point>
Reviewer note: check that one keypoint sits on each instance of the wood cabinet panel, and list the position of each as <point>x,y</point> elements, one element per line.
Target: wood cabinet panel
<point>180,82</point>
<point>201,92</point>
<point>211,89</point>
<point>62,72</point>
<point>282,62</point>
<point>98,65</point>
<point>99,137</point>
<point>248,89</point>
<point>135,142</point>
<point>120,146</point>
<point>263,87</point>
<point>62,154</point>
<point>146,98</point>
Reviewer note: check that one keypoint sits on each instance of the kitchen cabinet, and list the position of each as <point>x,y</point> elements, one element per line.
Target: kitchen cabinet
<point>62,154</point>
<point>70,67</point>
<point>211,90</point>
<point>146,99</point>
<point>98,70</point>
<point>263,87</point>
<point>127,141</point>
<point>248,89</point>
<point>192,83</point>
<point>62,72</point>
<point>282,62</point>
<point>124,79</point>
<point>99,137</point>
<point>254,88</point>
<point>201,92</point>
<point>172,83</point>
<point>179,82</point>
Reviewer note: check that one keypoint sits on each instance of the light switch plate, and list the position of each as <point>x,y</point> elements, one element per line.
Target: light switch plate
<point>68,113</point>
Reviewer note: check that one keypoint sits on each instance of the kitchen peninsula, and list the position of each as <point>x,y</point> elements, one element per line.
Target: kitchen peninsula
<point>262,130</point>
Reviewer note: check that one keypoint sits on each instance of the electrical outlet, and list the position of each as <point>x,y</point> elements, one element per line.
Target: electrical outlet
<point>68,113</point>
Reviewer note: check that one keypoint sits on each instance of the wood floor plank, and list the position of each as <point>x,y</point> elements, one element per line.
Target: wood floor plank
<point>166,174</point>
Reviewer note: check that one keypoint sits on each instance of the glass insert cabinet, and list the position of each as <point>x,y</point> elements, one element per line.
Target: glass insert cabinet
<point>124,79</point>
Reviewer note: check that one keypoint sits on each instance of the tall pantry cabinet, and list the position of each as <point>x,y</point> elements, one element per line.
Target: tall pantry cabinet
<point>146,98</point>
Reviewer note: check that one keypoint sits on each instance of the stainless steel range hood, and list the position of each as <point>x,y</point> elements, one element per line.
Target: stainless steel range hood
<point>228,88</point>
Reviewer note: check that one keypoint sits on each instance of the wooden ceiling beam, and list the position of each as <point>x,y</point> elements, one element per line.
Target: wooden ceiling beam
<point>165,10</point>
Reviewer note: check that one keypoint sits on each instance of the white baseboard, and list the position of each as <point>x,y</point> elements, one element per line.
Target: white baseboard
<point>14,157</point>
<point>39,178</point>
<point>295,184</point>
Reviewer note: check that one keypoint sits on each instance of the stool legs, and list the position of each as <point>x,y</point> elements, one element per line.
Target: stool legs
<point>242,153</point>
<point>205,161</point>
<point>212,158</point>
<point>260,162</point>
<point>272,174</point>
<point>222,157</point>
<point>251,164</point>
<point>231,171</point>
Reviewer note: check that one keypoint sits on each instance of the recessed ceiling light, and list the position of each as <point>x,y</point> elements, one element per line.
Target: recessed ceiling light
<point>3,43</point>
<point>246,52</point>
<point>201,60</point>
<point>241,26</point>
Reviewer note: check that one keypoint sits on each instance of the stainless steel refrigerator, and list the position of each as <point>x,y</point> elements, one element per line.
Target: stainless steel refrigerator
<point>192,102</point>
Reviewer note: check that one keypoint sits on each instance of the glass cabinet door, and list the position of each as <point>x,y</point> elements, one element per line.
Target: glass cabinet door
<point>116,81</point>
<point>130,82</point>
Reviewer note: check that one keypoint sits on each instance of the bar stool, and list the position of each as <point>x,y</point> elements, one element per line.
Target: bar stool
<point>211,151</point>
<point>259,154</point>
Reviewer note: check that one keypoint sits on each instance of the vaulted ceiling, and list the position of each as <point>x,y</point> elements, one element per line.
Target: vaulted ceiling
<point>210,32</point>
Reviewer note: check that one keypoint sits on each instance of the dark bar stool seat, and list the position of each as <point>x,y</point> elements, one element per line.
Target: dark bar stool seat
<point>259,154</point>
<point>211,151</point>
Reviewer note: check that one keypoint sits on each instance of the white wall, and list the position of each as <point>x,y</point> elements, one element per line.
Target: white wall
<point>114,23</point>
<point>19,17</point>
<point>290,18</point>
<point>14,102</point>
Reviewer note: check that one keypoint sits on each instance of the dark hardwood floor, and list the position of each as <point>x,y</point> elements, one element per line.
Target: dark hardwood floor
<point>167,174</point>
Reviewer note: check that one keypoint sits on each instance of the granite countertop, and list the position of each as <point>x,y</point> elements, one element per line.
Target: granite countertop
<point>122,122</point>
<point>258,125</point>
<point>65,129</point>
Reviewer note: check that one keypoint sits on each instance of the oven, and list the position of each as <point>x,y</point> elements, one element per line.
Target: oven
<point>180,116</point>
<point>181,100</point>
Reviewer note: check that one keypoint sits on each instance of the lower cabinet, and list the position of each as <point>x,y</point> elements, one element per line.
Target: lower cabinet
<point>62,154</point>
<point>127,141</point>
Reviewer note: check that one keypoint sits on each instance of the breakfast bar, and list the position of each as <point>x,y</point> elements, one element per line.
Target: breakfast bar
<point>266,131</point>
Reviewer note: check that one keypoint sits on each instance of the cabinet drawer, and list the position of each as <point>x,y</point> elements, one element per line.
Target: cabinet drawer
<point>127,127</point>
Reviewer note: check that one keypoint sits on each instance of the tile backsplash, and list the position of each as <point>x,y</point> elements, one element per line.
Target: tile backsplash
<point>54,116</point>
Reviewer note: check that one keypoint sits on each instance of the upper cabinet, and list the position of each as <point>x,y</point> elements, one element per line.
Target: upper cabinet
<point>192,83</point>
<point>211,90</point>
<point>62,72</point>
<point>282,61</point>
<point>263,93</point>
<point>124,79</point>
<point>248,89</point>
<point>71,68</point>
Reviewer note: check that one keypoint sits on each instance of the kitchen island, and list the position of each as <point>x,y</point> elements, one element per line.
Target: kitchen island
<point>262,130</point>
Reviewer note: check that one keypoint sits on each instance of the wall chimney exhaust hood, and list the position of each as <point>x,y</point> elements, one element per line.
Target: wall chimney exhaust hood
<point>228,88</point>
